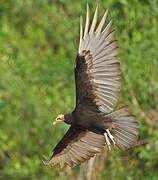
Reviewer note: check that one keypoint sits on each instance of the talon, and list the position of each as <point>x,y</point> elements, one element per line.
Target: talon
<point>110,136</point>
<point>107,141</point>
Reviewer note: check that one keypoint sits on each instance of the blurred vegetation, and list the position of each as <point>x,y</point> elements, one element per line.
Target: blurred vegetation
<point>38,45</point>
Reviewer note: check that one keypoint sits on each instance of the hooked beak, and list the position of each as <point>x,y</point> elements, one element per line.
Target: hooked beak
<point>56,121</point>
<point>59,118</point>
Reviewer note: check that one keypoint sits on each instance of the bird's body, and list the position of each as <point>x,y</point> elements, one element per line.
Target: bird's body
<point>85,117</point>
<point>94,121</point>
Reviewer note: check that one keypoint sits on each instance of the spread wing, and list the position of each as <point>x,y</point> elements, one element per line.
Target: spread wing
<point>97,71</point>
<point>75,147</point>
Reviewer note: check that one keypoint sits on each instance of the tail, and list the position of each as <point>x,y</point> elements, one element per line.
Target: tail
<point>124,128</point>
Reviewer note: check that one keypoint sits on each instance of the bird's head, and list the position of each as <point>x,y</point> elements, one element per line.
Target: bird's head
<point>59,118</point>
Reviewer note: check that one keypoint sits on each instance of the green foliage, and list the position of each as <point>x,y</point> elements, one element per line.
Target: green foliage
<point>38,45</point>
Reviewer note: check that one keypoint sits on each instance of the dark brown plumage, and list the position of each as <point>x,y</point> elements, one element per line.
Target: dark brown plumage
<point>94,122</point>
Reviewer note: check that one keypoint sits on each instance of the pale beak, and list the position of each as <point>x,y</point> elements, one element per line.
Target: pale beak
<point>59,118</point>
<point>54,123</point>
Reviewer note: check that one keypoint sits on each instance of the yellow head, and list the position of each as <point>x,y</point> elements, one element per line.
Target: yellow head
<point>59,118</point>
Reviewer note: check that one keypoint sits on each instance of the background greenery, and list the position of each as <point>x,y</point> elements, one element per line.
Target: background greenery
<point>38,45</point>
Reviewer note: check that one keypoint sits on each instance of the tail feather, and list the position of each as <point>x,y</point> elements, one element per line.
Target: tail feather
<point>125,128</point>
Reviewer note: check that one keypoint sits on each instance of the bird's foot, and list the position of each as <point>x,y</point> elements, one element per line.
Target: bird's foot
<point>111,136</point>
<point>108,136</point>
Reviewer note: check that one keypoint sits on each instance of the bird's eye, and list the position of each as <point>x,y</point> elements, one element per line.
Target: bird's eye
<point>58,118</point>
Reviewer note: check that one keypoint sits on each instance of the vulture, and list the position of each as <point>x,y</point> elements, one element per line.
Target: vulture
<point>95,123</point>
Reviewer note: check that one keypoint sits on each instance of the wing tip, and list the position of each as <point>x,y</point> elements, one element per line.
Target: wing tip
<point>45,161</point>
<point>87,5</point>
<point>81,33</point>
<point>95,18</point>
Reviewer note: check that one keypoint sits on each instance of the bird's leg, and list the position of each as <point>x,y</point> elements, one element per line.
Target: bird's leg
<point>107,141</point>
<point>108,136</point>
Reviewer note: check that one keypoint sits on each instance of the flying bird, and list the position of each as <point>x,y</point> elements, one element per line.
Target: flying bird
<point>94,122</point>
